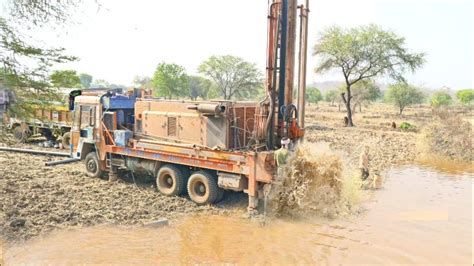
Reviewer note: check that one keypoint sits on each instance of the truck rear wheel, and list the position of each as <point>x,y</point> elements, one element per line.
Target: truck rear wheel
<point>20,134</point>
<point>92,165</point>
<point>171,180</point>
<point>202,188</point>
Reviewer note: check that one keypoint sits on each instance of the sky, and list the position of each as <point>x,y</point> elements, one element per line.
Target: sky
<point>121,39</point>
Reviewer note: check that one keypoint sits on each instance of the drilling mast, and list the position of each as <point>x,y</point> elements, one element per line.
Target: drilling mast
<point>285,118</point>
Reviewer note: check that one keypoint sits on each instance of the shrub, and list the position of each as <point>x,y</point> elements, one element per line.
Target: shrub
<point>441,98</point>
<point>466,97</point>
<point>405,126</point>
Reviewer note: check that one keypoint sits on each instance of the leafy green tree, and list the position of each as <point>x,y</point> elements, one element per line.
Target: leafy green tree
<point>441,98</point>
<point>330,96</point>
<point>361,53</point>
<point>466,97</point>
<point>25,63</point>
<point>142,82</point>
<point>199,87</point>
<point>86,80</point>
<point>403,95</point>
<point>365,92</point>
<point>313,95</point>
<point>234,76</point>
<point>170,80</point>
<point>65,79</point>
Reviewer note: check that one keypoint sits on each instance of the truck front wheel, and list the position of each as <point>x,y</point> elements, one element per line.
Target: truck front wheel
<point>202,188</point>
<point>171,180</point>
<point>66,140</point>
<point>92,165</point>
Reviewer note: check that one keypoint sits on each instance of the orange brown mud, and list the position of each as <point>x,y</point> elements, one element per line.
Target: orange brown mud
<point>421,217</point>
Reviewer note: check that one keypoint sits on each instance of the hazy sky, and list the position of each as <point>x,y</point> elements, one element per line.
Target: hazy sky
<point>127,38</point>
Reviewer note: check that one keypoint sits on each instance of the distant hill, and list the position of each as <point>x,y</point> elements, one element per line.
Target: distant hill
<point>326,85</point>
<point>330,85</point>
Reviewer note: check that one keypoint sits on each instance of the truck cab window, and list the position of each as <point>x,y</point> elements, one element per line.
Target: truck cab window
<point>87,116</point>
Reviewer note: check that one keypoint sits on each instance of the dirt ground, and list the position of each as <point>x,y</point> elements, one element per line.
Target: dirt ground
<point>35,199</point>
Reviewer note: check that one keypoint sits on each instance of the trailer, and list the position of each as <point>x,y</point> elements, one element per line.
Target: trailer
<point>200,148</point>
<point>51,119</point>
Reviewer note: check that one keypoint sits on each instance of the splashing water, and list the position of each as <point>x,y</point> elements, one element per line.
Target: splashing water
<point>314,181</point>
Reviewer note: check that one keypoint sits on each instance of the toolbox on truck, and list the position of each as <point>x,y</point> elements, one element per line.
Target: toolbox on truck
<point>121,137</point>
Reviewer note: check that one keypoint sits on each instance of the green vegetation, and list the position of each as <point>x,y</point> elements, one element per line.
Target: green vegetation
<point>331,95</point>
<point>364,93</point>
<point>405,126</point>
<point>25,62</point>
<point>65,79</point>
<point>363,53</point>
<point>441,98</point>
<point>465,97</point>
<point>313,95</point>
<point>234,77</point>
<point>199,87</point>
<point>403,95</point>
<point>86,80</point>
<point>170,80</point>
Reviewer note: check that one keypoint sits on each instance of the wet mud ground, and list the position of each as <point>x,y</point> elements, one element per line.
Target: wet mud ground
<point>36,199</point>
<point>423,216</point>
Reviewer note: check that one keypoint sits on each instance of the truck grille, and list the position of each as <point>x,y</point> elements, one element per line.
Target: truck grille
<point>172,126</point>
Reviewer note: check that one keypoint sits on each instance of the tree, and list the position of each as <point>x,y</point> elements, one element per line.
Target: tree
<point>361,53</point>
<point>86,80</point>
<point>142,82</point>
<point>330,96</point>
<point>234,76</point>
<point>466,97</point>
<point>199,87</point>
<point>403,95</point>
<point>26,63</point>
<point>65,79</point>
<point>313,95</point>
<point>170,80</point>
<point>441,98</point>
<point>365,92</point>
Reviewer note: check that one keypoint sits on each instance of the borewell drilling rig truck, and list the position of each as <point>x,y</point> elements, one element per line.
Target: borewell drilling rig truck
<point>201,147</point>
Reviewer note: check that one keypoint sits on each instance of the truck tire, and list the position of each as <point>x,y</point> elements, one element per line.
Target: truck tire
<point>92,165</point>
<point>202,188</point>
<point>20,135</point>
<point>171,180</point>
<point>66,141</point>
<point>220,195</point>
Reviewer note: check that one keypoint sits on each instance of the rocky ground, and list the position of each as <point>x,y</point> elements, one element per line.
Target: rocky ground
<point>35,199</point>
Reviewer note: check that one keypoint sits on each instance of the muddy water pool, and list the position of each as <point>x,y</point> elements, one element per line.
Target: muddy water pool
<point>421,216</point>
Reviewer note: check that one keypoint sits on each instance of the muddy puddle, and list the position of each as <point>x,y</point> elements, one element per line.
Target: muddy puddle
<point>422,216</point>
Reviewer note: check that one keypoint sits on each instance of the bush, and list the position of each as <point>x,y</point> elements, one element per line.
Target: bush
<point>405,126</point>
<point>466,97</point>
<point>441,98</point>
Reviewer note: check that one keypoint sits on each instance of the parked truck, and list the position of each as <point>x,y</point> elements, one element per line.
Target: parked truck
<point>52,119</point>
<point>200,147</point>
